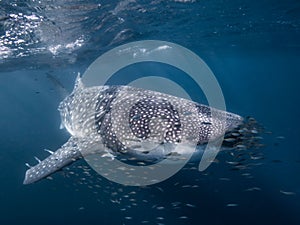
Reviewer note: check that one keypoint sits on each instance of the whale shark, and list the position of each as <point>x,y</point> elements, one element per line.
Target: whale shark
<point>125,121</point>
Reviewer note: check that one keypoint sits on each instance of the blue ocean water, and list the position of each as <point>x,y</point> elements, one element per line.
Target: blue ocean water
<point>252,47</point>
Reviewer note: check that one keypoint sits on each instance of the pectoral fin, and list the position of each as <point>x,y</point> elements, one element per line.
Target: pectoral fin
<point>65,155</point>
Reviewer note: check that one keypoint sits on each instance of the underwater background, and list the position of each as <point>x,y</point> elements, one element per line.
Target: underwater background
<point>253,49</point>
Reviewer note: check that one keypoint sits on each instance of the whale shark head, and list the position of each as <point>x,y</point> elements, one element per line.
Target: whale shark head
<point>77,110</point>
<point>68,112</point>
<point>68,107</point>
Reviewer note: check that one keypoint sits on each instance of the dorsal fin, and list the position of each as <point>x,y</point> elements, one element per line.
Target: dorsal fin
<point>78,83</point>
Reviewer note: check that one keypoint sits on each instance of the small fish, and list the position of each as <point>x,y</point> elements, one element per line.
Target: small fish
<point>159,188</point>
<point>239,167</point>
<point>115,201</point>
<point>246,174</point>
<point>174,204</point>
<point>253,189</point>
<point>287,192</point>
<point>229,139</point>
<point>154,206</point>
<point>256,157</point>
<point>258,137</point>
<point>240,146</point>
<point>224,179</point>
<point>190,205</point>
<point>254,131</point>
<point>232,163</point>
<point>232,205</point>
<point>183,217</point>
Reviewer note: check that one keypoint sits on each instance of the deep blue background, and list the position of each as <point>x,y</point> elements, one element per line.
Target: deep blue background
<point>259,78</point>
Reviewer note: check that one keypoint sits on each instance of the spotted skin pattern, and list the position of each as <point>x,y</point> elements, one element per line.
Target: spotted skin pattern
<point>124,120</point>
